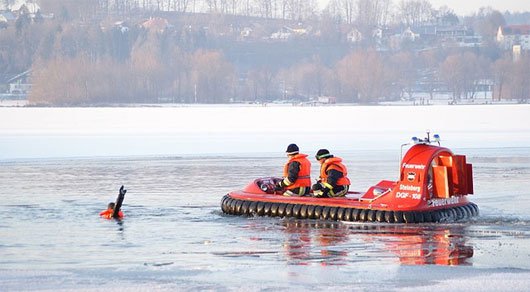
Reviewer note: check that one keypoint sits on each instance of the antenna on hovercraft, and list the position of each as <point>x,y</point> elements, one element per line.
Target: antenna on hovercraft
<point>426,140</point>
<point>435,138</point>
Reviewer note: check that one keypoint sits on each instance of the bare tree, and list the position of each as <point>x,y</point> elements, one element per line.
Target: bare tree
<point>213,6</point>
<point>414,12</point>
<point>486,23</point>
<point>501,72</point>
<point>60,82</point>
<point>298,9</point>
<point>349,10</point>
<point>446,16</point>
<point>178,70</point>
<point>519,85</point>
<point>306,80</point>
<point>369,13</point>
<point>183,5</point>
<point>234,6</point>
<point>452,71</point>
<point>72,9</point>
<point>345,10</point>
<point>330,27</point>
<point>147,64</point>
<point>461,72</point>
<point>406,71</point>
<point>264,8</point>
<point>372,14</point>
<point>212,77</point>
<point>363,76</point>
<point>261,84</point>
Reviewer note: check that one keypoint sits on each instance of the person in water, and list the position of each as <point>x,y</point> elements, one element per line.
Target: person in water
<point>296,173</point>
<point>334,181</point>
<point>107,214</point>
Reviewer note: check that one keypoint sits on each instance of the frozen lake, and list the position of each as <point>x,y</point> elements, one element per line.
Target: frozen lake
<point>75,132</point>
<point>60,166</point>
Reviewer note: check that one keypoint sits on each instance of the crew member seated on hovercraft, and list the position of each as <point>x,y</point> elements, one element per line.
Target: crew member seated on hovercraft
<point>334,181</point>
<point>107,214</point>
<point>296,174</point>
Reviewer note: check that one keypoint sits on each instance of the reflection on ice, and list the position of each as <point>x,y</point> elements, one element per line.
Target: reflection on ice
<point>432,245</point>
<point>310,242</point>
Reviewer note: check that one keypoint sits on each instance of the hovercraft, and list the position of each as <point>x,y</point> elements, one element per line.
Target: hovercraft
<point>433,186</point>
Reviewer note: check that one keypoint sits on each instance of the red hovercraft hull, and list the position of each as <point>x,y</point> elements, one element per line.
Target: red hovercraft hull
<point>433,186</point>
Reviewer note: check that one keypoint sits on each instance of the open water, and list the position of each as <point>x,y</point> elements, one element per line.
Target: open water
<point>175,237</point>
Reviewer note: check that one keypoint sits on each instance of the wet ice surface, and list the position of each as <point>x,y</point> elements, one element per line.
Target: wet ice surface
<point>174,235</point>
<point>56,177</point>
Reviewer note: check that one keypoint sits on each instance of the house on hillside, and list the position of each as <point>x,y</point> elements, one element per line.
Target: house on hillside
<point>286,32</point>
<point>282,34</point>
<point>451,32</point>
<point>409,35</point>
<point>251,32</point>
<point>459,35</point>
<point>514,35</point>
<point>354,36</point>
<point>30,6</point>
<point>327,99</point>
<point>246,32</point>
<point>21,8</point>
<point>25,7</point>
<point>398,39</point>
<point>448,35</point>
<point>300,31</point>
<point>17,85</point>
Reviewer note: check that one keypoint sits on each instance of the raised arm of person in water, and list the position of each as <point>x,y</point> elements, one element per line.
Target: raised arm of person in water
<point>113,209</point>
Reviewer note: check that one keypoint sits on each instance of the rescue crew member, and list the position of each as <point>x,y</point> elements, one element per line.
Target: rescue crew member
<point>107,214</point>
<point>334,181</point>
<point>296,173</point>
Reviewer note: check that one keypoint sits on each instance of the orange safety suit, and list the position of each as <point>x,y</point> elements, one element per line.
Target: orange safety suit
<point>336,164</point>
<point>107,214</point>
<point>303,178</point>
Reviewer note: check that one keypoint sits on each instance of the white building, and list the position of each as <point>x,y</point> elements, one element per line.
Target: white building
<point>409,35</point>
<point>354,36</point>
<point>514,35</point>
<point>20,84</point>
<point>283,34</point>
<point>31,6</point>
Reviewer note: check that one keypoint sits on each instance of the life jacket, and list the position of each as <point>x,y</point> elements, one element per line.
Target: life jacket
<point>107,214</point>
<point>334,163</point>
<point>304,175</point>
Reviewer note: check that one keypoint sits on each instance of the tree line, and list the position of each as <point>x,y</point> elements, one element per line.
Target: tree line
<point>152,75</point>
<point>78,61</point>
